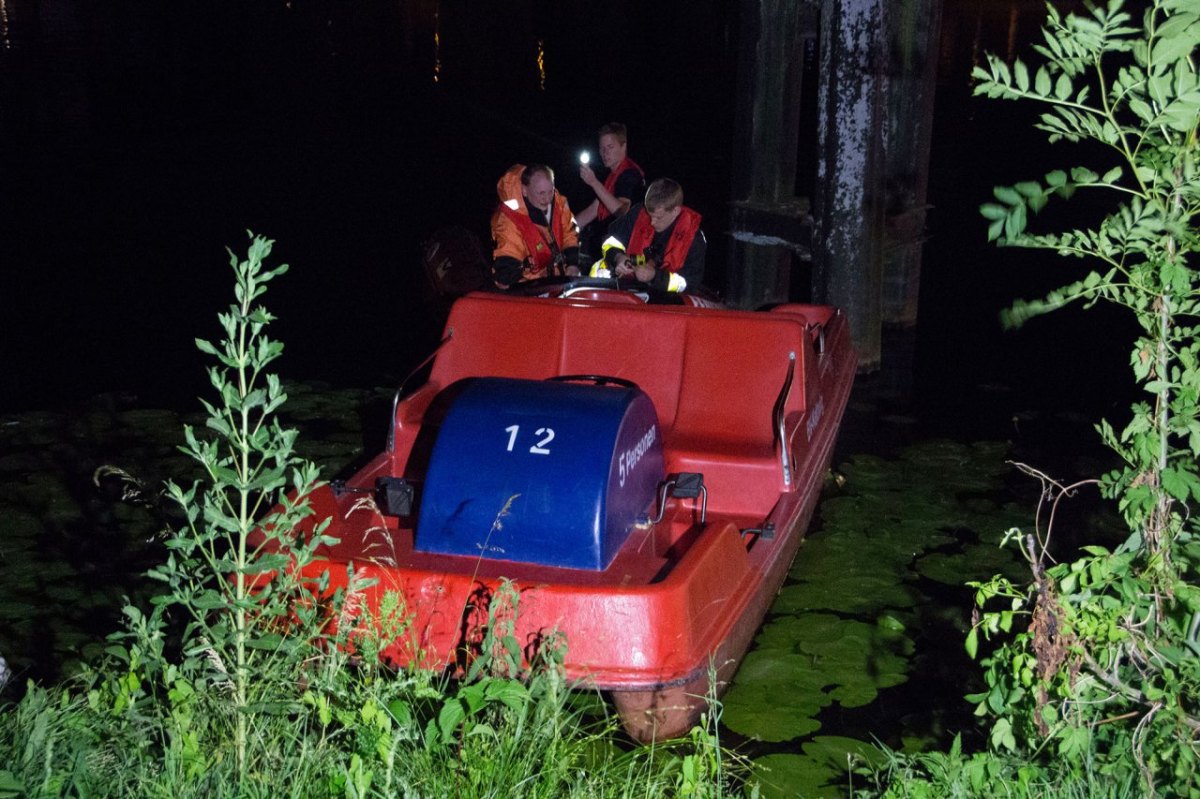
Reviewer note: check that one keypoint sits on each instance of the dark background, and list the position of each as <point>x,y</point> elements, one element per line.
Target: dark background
<point>138,139</point>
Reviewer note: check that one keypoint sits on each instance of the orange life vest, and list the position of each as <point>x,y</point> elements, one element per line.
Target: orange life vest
<point>678,244</point>
<point>537,243</point>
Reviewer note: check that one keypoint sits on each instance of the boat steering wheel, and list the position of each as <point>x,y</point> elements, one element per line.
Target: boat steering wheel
<point>557,285</point>
<point>599,380</point>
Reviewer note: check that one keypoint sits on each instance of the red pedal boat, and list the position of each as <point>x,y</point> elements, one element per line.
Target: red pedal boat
<point>643,474</point>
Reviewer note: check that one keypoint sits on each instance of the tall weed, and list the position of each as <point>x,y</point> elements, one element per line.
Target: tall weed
<point>234,684</point>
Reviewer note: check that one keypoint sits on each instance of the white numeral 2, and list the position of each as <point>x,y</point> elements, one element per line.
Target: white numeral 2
<point>540,447</point>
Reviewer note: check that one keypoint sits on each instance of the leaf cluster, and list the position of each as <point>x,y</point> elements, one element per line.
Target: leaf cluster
<point>249,678</point>
<point>1098,658</point>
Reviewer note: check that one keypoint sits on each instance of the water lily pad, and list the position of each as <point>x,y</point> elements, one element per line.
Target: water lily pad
<point>839,753</point>
<point>773,668</point>
<point>977,562</point>
<point>151,418</point>
<point>20,463</point>
<point>796,657</point>
<point>855,694</point>
<point>17,524</point>
<point>853,595</point>
<point>50,571</point>
<point>18,581</point>
<point>792,776</point>
<point>785,632</point>
<point>768,713</point>
<point>843,558</point>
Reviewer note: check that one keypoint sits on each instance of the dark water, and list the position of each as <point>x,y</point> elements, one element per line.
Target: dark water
<point>137,140</point>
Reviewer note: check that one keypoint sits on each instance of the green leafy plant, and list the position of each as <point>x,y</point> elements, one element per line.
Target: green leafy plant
<point>234,566</point>
<point>1105,658</point>
<point>236,683</point>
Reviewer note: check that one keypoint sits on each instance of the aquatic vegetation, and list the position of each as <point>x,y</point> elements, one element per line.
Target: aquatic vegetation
<point>843,630</point>
<point>855,613</point>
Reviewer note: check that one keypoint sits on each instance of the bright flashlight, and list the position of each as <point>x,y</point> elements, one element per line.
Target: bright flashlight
<point>584,158</point>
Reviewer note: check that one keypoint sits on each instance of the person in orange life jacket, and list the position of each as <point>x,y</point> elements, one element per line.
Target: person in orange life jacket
<point>659,243</point>
<point>620,189</point>
<point>533,230</point>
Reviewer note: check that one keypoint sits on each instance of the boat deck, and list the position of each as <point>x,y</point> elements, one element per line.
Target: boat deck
<point>369,537</point>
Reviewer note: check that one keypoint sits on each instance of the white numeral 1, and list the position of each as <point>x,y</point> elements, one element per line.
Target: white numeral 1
<point>512,435</point>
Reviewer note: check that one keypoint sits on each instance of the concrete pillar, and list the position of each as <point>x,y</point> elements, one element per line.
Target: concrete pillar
<point>849,201</point>
<point>770,226</point>
<point>912,82</point>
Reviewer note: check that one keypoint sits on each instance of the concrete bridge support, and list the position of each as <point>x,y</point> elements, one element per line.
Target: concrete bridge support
<point>870,144</point>
<point>771,226</point>
<point>849,195</point>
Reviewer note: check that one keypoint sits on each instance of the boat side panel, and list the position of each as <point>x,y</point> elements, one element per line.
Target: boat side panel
<point>646,635</point>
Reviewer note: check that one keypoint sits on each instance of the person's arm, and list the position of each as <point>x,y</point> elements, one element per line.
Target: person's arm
<point>571,236</point>
<point>588,215</point>
<point>506,271</point>
<point>613,248</point>
<point>629,190</point>
<point>692,271</point>
<point>509,253</point>
<point>693,266</point>
<point>571,258</point>
<point>615,205</point>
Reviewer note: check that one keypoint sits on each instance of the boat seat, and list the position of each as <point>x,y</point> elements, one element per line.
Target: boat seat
<point>713,375</point>
<point>732,374</point>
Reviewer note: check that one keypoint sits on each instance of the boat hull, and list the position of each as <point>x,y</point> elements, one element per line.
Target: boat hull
<point>751,402</point>
<point>670,710</point>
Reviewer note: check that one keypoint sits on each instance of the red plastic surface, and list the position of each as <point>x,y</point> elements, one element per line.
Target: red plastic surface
<point>679,592</point>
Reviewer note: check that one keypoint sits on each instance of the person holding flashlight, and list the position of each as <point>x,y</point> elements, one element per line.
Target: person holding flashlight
<point>533,230</point>
<point>620,189</point>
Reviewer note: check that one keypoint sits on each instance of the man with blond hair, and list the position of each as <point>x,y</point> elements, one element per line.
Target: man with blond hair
<point>620,189</point>
<point>659,243</point>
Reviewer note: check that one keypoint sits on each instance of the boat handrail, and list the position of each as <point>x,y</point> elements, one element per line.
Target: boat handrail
<point>778,414</point>
<point>685,485</point>
<point>391,439</point>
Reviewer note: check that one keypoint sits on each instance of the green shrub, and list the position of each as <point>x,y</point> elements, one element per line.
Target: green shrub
<point>232,685</point>
<point>1094,684</point>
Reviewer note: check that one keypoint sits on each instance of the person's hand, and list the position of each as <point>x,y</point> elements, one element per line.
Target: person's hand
<point>571,271</point>
<point>588,176</point>
<point>644,271</point>
<point>621,267</point>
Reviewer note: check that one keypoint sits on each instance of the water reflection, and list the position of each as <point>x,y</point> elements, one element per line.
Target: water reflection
<point>541,64</point>
<point>970,30</point>
<point>1013,16</point>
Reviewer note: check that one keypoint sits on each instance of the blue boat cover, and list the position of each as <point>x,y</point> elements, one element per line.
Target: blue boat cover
<point>550,473</point>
